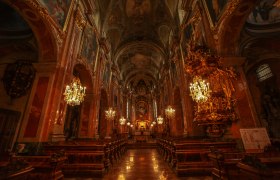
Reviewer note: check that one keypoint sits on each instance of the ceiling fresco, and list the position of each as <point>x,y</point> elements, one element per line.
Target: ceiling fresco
<point>16,36</point>
<point>266,12</point>
<point>138,32</point>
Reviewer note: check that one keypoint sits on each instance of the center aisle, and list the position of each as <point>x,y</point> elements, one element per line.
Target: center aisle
<point>144,164</point>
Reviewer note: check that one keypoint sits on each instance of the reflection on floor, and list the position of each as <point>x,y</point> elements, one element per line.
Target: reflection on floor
<point>142,164</point>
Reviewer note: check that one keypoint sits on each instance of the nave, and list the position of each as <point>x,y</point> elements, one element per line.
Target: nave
<point>142,164</point>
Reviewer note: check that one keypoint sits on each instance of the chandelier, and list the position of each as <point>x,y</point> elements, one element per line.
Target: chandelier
<point>74,93</point>
<point>110,114</point>
<point>199,89</point>
<point>160,120</point>
<point>170,112</point>
<point>122,120</point>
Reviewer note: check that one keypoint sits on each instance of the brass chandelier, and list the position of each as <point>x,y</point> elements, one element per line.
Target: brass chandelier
<point>122,120</point>
<point>110,114</point>
<point>74,93</point>
<point>169,112</point>
<point>159,120</point>
<point>199,89</point>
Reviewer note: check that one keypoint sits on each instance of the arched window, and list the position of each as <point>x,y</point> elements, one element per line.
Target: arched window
<point>264,72</point>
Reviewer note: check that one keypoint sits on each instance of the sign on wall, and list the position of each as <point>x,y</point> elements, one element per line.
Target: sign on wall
<point>255,139</point>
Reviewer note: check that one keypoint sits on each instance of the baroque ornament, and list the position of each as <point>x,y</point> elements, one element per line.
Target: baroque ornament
<point>217,110</point>
<point>18,78</point>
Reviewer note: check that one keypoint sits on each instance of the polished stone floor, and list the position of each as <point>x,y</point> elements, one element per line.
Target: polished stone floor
<point>142,164</point>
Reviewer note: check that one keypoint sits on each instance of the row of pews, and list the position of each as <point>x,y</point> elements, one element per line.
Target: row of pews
<point>67,159</point>
<point>190,157</point>
<point>219,159</point>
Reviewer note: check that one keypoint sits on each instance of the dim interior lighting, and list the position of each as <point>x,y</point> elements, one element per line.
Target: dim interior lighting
<point>128,123</point>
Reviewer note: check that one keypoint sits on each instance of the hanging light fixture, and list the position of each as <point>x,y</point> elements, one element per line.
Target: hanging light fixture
<point>74,93</point>
<point>199,89</point>
<point>170,112</point>
<point>122,120</point>
<point>128,123</point>
<point>160,120</point>
<point>110,114</point>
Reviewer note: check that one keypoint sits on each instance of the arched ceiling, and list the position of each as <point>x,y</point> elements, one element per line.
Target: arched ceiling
<point>138,32</point>
<point>15,36</point>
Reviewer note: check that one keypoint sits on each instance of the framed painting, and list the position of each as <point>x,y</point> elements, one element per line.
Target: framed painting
<point>214,9</point>
<point>89,45</point>
<point>58,10</point>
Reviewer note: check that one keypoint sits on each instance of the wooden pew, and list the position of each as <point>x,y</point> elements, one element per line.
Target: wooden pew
<point>190,157</point>
<point>88,158</point>
<point>45,167</point>
<point>15,170</point>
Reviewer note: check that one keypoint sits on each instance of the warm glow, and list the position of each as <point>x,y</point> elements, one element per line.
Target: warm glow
<point>122,121</point>
<point>110,114</point>
<point>128,123</point>
<point>170,112</point>
<point>199,89</point>
<point>160,120</point>
<point>74,93</point>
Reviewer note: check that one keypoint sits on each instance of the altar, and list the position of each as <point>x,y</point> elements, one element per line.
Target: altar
<point>142,136</point>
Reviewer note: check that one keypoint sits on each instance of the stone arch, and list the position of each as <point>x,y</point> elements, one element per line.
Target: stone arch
<point>232,23</point>
<point>86,125</point>
<point>47,33</point>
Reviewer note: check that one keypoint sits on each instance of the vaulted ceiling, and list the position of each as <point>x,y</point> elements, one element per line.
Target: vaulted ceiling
<point>139,32</point>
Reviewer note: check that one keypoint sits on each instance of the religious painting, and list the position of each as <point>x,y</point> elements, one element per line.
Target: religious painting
<point>89,46</point>
<point>58,10</point>
<point>142,108</point>
<point>214,9</point>
<point>266,12</point>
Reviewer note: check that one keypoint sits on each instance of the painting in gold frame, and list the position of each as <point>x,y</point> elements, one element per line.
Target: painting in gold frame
<point>59,10</point>
<point>89,46</point>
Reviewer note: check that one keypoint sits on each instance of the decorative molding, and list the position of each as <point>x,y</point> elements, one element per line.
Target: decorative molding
<point>60,35</point>
<point>83,62</point>
<point>80,19</point>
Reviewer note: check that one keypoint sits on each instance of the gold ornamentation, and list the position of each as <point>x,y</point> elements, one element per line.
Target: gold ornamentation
<point>60,35</point>
<point>80,20</point>
<point>218,108</point>
<point>74,93</point>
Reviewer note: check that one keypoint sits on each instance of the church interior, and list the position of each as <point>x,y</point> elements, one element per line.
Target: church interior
<point>139,89</point>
